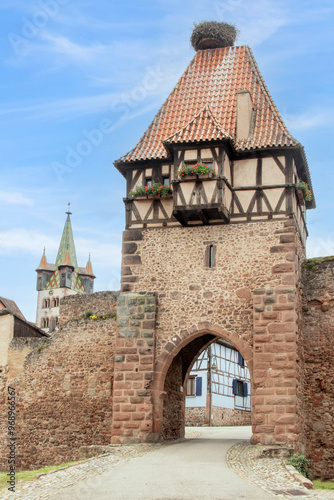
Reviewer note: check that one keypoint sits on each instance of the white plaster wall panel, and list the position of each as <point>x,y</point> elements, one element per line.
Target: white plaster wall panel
<point>168,206</point>
<point>142,206</point>
<point>165,170</point>
<point>209,187</point>
<point>273,196</point>
<point>6,335</point>
<point>139,181</point>
<point>187,189</point>
<point>227,198</point>
<point>206,154</point>
<point>245,198</point>
<point>245,172</point>
<point>271,173</point>
<point>190,154</point>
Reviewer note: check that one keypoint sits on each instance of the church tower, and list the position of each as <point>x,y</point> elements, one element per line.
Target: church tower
<point>55,281</point>
<point>217,192</point>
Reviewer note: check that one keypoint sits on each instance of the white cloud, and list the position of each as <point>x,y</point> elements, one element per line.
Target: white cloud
<point>15,199</point>
<point>18,240</point>
<point>73,51</point>
<point>319,247</point>
<point>310,119</point>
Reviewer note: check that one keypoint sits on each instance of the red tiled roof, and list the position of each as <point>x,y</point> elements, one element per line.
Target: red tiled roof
<point>211,82</point>
<point>12,307</point>
<point>202,127</point>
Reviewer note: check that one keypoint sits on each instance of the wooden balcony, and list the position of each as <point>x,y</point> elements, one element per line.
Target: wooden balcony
<point>201,200</point>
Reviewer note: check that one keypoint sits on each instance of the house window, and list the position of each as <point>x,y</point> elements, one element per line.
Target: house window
<point>166,181</point>
<point>148,182</point>
<point>240,388</point>
<point>241,361</point>
<point>191,386</point>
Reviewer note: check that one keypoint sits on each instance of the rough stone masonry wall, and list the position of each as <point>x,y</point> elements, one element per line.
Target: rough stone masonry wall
<point>254,262</point>
<point>318,365</point>
<point>222,417</point>
<point>64,395</point>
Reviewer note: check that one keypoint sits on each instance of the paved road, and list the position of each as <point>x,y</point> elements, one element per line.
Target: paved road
<point>189,470</point>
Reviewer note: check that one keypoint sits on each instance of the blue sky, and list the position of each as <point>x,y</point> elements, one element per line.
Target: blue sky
<point>95,72</point>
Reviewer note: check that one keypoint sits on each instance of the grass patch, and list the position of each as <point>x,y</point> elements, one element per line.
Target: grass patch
<point>323,485</point>
<point>29,475</point>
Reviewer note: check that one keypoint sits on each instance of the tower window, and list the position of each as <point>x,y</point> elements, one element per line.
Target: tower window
<point>210,256</point>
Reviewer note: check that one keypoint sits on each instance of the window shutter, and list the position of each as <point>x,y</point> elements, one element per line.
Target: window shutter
<point>198,386</point>
<point>234,386</point>
<point>240,360</point>
<point>245,389</point>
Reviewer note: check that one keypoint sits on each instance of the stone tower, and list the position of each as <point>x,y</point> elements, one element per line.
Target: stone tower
<point>55,281</point>
<point>215,236</point>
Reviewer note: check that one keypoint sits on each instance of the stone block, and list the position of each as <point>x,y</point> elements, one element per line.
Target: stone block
<point>130,260</point>
<point>129,248</point>
<point>147,334</point>
<point>129,333</point>
<point>133,235</point>
<point>286,267</point>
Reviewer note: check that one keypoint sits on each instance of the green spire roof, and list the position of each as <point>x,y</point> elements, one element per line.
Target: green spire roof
<point>67,245</point>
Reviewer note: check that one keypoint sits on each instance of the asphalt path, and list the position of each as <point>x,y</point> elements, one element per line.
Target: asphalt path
<point>194,469</point>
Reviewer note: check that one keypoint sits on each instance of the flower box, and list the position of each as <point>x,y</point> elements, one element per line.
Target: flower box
<point>198,171</point>
<point>156,190</point>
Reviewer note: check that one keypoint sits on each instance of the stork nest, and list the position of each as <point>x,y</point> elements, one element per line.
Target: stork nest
<point>211,34</point>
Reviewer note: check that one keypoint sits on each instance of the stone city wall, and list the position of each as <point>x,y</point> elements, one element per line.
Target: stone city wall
<point>64,395</point>
<point>317,359</point>
<point>98,303</point>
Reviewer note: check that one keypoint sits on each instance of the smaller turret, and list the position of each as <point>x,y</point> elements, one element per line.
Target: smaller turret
<point>44,272</point>
<point>87,276</point>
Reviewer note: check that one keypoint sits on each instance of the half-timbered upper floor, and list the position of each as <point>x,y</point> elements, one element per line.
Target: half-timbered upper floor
<point>256,187</point>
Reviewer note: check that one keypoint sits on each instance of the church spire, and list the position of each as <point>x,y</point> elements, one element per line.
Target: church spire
<point>66,251</point>
<point>43,264</point>
<point>89,267</point>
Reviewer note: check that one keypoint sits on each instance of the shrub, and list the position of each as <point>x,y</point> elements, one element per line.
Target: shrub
<point>300,463</point>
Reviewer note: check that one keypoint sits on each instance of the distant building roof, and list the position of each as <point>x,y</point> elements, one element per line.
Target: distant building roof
<point>12,307</point>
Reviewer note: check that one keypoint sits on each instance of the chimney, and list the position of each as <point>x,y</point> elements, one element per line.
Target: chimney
<point>244,114</point>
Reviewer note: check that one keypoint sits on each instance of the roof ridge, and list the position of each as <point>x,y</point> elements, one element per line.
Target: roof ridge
<point>210,82</point>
